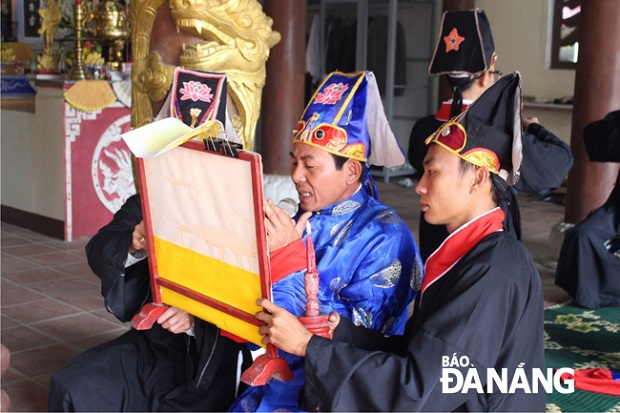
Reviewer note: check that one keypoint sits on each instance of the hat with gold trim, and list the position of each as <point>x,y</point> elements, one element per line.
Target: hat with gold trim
<point>465,45</point>
<point>345,117</point>
<point>488,133</point>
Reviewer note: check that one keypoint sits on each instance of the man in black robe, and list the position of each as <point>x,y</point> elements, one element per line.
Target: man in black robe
<point>181,364</point>
<point>470,70</point>
<point>481,303</point>
<point>589,262</point>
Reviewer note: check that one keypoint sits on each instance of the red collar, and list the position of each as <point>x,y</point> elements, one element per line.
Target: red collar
<point>459,243</point>
<point>443,114</point>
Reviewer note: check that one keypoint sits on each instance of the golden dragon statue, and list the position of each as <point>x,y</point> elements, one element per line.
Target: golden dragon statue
<point>231,36</point>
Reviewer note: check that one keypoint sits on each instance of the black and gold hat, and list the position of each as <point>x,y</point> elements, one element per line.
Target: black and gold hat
<point>465,45</point>
<point>488,133</point>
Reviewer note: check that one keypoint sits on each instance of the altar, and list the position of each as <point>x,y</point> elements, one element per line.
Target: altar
<point>64,171</point>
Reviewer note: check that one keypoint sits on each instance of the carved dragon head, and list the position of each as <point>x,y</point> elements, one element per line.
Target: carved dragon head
<point>237,39</point>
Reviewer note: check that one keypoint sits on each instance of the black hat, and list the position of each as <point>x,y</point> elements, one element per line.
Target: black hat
<point>465,45</point>
<point>488,133</point>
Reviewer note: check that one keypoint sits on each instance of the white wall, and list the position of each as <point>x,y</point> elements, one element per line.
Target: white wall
<point>520,32</point>
<point>33,157</point>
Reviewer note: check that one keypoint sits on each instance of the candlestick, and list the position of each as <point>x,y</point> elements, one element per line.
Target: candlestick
<point>311,281</point>
<point>77,71</point>
<point>315,322</point>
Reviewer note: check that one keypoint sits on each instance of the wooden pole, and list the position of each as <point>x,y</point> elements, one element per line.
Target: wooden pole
<point>283,95</point>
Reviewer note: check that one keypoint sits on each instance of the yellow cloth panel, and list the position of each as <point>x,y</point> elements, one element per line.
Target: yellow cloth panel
<point>208,276</point>
<point>224,321</point>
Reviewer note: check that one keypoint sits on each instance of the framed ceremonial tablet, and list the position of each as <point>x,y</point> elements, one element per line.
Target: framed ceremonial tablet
<point>203,214</point>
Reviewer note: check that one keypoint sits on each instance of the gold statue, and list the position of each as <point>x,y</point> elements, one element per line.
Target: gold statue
<point>50,18</point>
<point>110,27</point>
<point>233,36</point>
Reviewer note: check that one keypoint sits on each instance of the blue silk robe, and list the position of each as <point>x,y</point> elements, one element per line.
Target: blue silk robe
<point>369,271</point>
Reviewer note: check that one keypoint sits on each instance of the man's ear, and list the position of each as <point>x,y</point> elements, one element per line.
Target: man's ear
<point>481,176</point>
<point>354,170</point>
<point>486,80</point>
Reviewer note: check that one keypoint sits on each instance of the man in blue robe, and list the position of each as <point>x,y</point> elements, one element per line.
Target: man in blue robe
<point>368,264</point>
<point>480,307</point>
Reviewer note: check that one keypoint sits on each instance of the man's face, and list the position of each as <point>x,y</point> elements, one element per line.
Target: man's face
<point>445,195</point>
<point>316,178</point>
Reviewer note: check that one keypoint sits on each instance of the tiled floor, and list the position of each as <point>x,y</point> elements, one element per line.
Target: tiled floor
<point>52,308</point>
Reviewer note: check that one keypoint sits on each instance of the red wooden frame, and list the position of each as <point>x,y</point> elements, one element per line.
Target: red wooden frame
<point>267,365</point>
<point>263,260</point>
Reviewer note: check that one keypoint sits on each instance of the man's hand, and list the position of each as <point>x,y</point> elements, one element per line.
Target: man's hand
<point>332,321</point>
<point>138,240</point>
<point>280,228</point>
<point>176,321</point>
<point>282,329</point>
<point>527,121</point>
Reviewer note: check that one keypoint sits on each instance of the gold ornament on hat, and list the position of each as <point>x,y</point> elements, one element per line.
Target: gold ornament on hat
<point>453,137</point>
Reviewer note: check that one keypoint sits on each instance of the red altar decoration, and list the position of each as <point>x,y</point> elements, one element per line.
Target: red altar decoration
<point>98,167</point>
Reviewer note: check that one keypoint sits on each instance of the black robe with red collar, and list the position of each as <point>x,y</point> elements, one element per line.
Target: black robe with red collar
<point>487,307</point>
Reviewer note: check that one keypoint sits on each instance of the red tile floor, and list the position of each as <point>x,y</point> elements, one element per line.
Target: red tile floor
<point>52,308</point>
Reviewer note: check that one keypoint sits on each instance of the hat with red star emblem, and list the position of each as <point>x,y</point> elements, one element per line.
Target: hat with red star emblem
<point>488,133</point>
<point>465,45</point>
<point>345,117</point>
